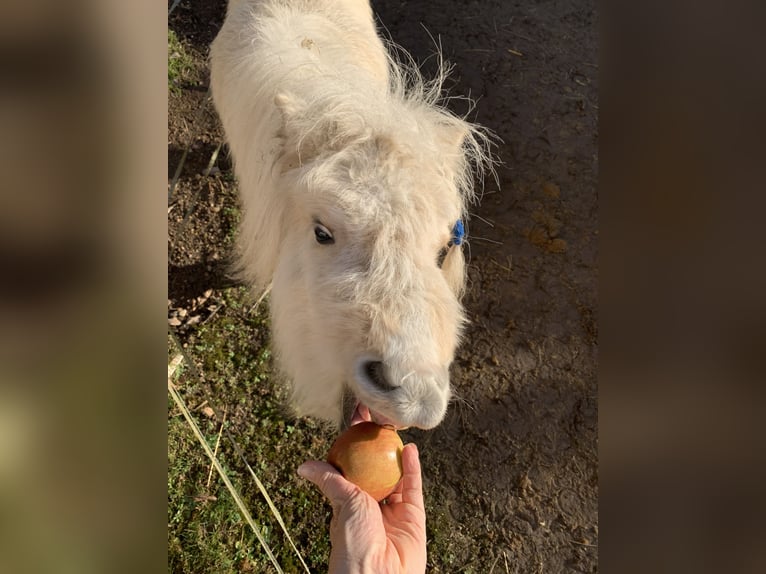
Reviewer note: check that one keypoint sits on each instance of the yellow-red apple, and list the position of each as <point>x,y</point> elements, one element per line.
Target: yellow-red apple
<point>370,456</point>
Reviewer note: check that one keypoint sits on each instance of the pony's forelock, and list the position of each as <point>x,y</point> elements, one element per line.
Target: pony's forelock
<point>338,120</point>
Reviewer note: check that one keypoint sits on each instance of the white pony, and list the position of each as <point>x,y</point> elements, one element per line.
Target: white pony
<point>354,183</point>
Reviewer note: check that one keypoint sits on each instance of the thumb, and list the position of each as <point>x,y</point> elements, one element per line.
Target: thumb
<point>331,482</point>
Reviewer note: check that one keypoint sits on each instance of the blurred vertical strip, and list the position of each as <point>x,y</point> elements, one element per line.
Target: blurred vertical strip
<point>683,277</point>
<point>83,119</point>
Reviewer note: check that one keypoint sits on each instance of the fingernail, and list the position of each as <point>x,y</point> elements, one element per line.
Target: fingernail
<point>303,471</point>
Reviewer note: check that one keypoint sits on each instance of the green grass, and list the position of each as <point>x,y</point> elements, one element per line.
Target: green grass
<point>205,534</point>
<point>205,530</point>
<point>180,63</point>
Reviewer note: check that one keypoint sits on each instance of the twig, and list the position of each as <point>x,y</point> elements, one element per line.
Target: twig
<point>515,53</point>
<point>503,267</point>
<point>188,214</point>
<point>213,313</point>
<point>177,173</point>
<point>213,157</point>
<point>174,364</point>
<point>215,450</point>
<point>527,38</point>
<point>182,161</point>
<point>261,298</point>
<point>584,544</point>
<point>173,7</point>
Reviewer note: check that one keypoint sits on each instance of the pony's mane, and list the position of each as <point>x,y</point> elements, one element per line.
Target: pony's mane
<point>407,84</point>
<point>344,122</point>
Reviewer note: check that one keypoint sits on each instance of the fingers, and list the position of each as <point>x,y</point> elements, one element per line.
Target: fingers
<point>332,484</point>
<point>412,483</point>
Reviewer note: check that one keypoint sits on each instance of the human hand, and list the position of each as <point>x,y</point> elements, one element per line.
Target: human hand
<point>368,537</point>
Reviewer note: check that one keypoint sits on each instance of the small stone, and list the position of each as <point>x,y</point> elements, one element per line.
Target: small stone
<point>524,483</point>
<point>557,246</point>
<point>554,226</point>
<point>538,236</point>
<point>552,190</point>
<point>174,321</point>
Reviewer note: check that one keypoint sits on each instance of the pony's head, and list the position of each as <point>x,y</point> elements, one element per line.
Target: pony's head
<point>369,269</point>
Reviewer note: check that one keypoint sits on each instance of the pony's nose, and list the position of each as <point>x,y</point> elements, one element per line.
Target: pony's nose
<point>418,398</point>
<point>376,373</point>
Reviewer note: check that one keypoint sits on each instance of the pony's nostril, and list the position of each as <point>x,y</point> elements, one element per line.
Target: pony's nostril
<point>376,374</point>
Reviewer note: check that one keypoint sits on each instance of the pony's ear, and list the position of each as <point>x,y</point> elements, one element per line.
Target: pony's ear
<point>288,105</point>
<point>292,110</point>
<point>308,130</point>
<point>389,151</point>
<point>294,151</point>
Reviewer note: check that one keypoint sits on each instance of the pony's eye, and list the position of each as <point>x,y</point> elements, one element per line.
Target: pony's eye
<point>323,235</point>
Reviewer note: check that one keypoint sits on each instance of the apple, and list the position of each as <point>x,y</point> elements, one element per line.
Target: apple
<point>370,456</point>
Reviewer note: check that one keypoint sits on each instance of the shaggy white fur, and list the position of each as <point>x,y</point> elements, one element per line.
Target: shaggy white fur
<point>351,176</point>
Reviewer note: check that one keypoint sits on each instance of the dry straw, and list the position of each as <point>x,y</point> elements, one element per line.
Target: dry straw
<point>172,367</point>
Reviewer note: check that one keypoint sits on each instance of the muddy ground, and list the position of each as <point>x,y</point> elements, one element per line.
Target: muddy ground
<point>514,466</point>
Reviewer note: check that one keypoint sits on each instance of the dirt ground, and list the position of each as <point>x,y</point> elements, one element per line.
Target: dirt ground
<point>515,463</point>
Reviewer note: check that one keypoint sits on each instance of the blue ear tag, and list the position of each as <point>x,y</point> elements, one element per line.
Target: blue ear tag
<point>458,232</point>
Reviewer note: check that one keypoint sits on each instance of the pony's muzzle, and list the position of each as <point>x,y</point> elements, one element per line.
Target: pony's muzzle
<point>403,397</point>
